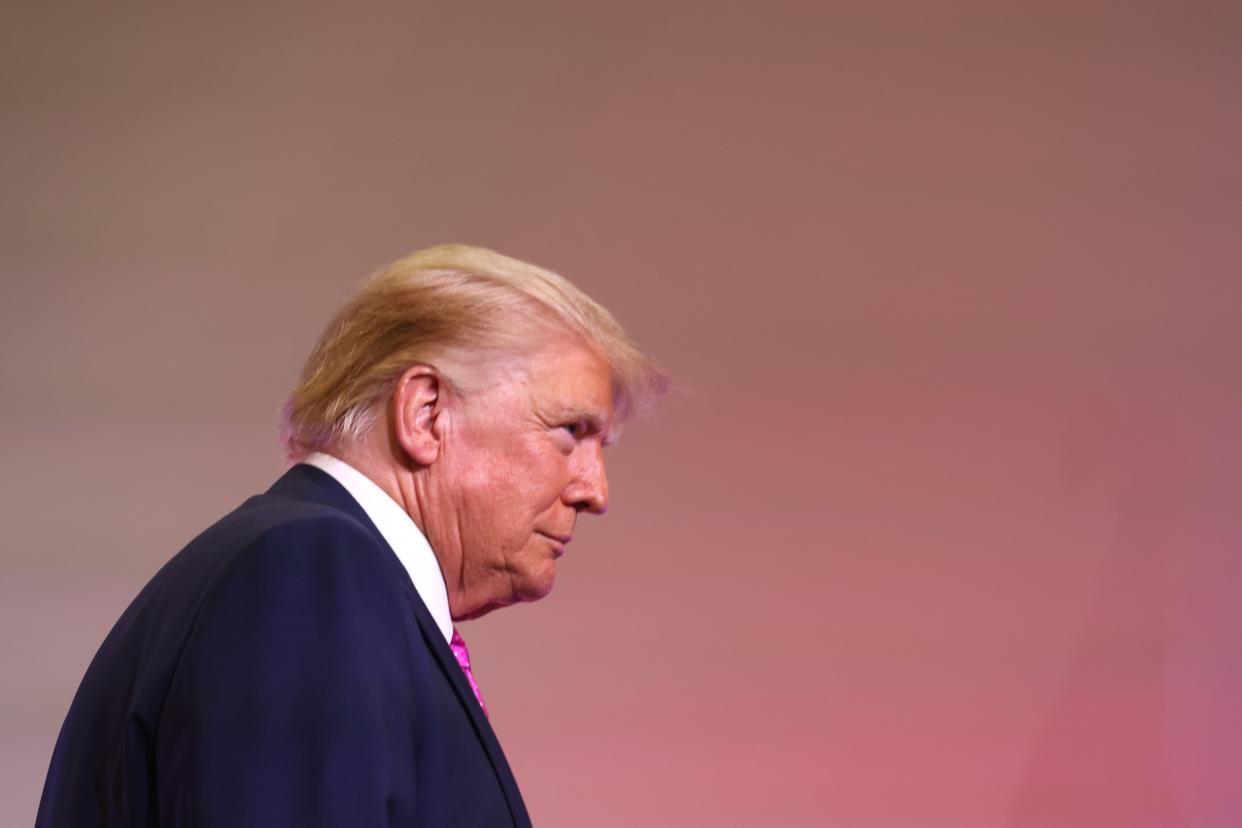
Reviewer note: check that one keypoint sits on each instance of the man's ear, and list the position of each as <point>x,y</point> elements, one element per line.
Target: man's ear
<point>417,403</point>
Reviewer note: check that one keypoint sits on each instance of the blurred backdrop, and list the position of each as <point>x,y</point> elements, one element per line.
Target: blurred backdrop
<point>943,529</point>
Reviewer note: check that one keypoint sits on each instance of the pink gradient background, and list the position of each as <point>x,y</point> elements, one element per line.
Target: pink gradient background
<point>944,530</point>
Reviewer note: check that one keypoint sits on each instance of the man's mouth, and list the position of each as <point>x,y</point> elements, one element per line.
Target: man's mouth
<point>558,542</point>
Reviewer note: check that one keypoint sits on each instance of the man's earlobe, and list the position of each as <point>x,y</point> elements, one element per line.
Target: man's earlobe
<point>416,405</point>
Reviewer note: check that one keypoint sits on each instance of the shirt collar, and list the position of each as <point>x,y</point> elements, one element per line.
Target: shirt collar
<point>402,534</point>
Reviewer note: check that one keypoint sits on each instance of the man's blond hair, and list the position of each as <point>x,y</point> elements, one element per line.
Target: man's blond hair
<point>434,307</point>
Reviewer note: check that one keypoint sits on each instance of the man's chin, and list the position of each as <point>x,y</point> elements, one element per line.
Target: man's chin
<point>530,589</point>
<point>535,582</point>
<point>480,610</point>
<point>536,595</point>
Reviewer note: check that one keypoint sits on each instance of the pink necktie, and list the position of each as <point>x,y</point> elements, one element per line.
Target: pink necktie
<point>458,646</point>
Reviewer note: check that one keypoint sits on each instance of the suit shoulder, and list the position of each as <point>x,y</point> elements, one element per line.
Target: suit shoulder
<point>282,537</point>
<point>316,534</point>
<point>262,522</point>
<point>262,514</point>
<point>262,534</point>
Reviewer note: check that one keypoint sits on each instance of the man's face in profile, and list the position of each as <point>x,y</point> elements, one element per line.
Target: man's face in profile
<point>520,460</point>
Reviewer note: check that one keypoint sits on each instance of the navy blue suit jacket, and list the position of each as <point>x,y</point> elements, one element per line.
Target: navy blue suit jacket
<point>279,670</point>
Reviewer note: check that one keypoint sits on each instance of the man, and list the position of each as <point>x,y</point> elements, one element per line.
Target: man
<point>297,664</point>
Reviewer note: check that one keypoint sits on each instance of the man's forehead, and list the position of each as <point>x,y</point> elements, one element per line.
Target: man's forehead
<point>574,384</point>
<point>574,369</point>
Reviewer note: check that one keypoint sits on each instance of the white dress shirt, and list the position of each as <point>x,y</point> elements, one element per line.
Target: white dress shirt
<point>402,534</point>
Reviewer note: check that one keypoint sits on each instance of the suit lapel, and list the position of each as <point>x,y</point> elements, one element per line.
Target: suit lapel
<point>310,483</point>
<point>478,719</point>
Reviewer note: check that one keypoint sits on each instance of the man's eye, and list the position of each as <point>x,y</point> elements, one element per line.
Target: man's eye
<point>575,429</point>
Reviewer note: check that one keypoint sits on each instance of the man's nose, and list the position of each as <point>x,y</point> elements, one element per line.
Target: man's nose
<point>588,491</point>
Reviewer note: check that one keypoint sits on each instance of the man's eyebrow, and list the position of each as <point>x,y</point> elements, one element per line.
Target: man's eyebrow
<point>594,420</point>
<point>597,422</point>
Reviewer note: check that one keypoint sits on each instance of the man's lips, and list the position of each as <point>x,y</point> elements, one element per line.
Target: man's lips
<point>559,540</point>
